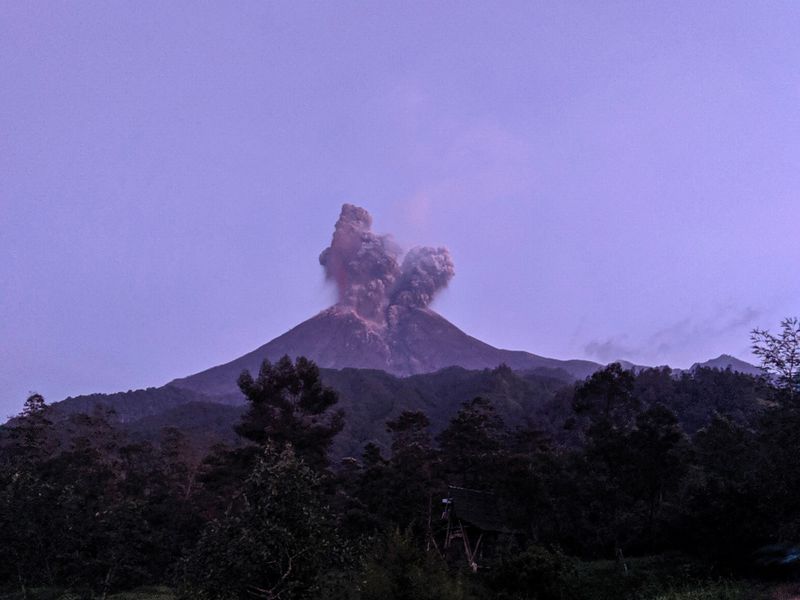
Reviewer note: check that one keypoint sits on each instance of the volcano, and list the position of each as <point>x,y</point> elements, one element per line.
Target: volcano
<point>380,345</point>
<point>416,341</point>
<point>382,319</point>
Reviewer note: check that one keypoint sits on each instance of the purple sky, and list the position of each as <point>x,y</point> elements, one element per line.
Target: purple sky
<point>614,180</point>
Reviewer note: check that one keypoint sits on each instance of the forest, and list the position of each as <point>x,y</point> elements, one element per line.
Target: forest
<point>655,485</point>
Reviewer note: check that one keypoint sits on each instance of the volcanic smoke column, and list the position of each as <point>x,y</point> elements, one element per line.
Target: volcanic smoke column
<point>367,273</point>
<point>363,265</point>
<point>425,271</point>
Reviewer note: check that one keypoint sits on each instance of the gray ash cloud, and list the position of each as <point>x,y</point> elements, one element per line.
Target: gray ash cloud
<point>368,275</point>
<point>424,272</point>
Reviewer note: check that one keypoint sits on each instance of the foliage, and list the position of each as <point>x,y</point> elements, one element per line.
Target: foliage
<point>289,405</point>
<point>536,574</point>
<point>274,544</point>
<point>701,465</point>
<point>780,354</point>
<point>401,570</point>
<point>471,445</point>
<point>398,491</point>
<point>607,396</point>
<point>32,433</point>
<point>93,514</point>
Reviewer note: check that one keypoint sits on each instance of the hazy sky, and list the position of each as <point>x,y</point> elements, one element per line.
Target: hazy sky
<point>614,180</point>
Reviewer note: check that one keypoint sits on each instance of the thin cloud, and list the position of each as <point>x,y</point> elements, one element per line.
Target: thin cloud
<point>674,337</point>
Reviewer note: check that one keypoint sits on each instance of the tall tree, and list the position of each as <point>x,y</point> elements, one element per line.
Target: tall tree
<point>288,404</point>
<point>471,445</point>
<point>32,437</point>
<point>608,396</point>
<point>409,486</point>
<point>724,501</point>
<point>780,354</point>
<point>658,461</point>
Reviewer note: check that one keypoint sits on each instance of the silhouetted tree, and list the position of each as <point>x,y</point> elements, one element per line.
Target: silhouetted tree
<point>369,505</point>
<point>32,435</point>
<point>780,354</point>
<point>658,459</point>
<point>722,502</point>
<point>472,445</point>
<point>288,404</point>
<point>608,396</point>
<point>411,470</point>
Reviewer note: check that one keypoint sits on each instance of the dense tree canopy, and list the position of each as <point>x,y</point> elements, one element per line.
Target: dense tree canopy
<point>702,464</point>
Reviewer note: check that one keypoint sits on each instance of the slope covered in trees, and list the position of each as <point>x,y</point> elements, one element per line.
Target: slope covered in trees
<point>369,398</point>
<point>670,480</point>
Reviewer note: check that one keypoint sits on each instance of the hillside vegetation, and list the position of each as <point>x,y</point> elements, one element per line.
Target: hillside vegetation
<point>457,484</point>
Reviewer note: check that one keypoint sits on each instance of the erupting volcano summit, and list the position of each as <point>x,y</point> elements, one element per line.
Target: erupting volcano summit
<point>370,278</point>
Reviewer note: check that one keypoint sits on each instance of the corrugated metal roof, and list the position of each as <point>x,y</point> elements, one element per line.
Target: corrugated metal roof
<point>477,508</point>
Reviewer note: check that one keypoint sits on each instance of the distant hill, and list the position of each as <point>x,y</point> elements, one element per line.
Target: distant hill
<point>726,361</point>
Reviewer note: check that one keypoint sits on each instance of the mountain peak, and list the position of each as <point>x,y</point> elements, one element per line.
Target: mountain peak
<point>726,361</point>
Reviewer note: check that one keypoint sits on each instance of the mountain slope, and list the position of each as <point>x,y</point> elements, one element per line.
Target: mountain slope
<point>413,341</point>
<point>368,397</point>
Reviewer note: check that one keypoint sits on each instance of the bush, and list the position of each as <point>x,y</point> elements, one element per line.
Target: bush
<point>402,571</point>
<point>535,574</point>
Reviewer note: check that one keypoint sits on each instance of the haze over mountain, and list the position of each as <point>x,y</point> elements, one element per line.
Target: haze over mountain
<point>382,319</point>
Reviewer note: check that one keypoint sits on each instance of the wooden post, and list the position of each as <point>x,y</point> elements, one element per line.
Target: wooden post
<point>470,553</point>
<point>447,534</point>
<point>430,531</point>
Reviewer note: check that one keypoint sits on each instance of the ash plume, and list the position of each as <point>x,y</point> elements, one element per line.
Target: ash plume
<point>425,271</point>
<point>368,275</point>
<point>363,265</point>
